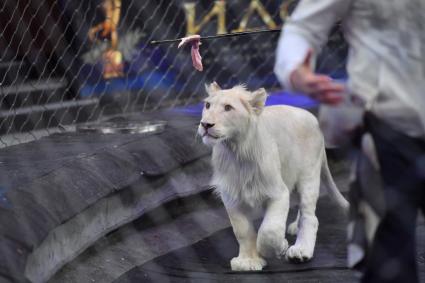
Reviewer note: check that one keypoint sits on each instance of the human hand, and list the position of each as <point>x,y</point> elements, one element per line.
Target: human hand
<point>320,87</point>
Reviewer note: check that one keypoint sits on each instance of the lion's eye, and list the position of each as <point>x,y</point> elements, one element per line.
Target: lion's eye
<point>207,105</point>
<point>227,107</point>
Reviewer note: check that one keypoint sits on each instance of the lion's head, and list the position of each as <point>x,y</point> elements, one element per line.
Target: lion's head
<point>228,113</point>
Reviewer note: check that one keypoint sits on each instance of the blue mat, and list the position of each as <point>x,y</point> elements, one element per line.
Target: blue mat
<point>276,98</point>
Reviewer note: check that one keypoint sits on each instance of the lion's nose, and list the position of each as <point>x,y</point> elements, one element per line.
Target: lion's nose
<point>207,125</point>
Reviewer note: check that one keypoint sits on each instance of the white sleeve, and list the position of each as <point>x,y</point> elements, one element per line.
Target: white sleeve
<point>307,28</point>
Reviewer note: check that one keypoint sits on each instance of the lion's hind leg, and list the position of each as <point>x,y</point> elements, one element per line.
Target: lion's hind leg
<point>293,227</point>
<point>307,224</point>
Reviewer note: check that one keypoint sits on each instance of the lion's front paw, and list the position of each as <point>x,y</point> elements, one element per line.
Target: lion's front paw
<point>271,245</point>
<point>247,263</point>
<point>298,253</point>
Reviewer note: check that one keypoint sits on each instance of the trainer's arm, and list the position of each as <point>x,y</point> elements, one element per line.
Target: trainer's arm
<point>303,35</point>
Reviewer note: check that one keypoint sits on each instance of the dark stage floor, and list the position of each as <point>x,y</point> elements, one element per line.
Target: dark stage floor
<point>189,240</point>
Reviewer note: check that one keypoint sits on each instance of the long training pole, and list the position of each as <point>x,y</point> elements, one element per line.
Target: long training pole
<point>168,41</point>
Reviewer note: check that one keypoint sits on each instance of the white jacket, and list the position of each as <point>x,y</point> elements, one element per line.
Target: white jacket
<point>386,64</point>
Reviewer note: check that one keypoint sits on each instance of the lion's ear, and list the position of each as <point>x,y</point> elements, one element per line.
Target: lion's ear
<point>258,100</point>
<point>213,87</point>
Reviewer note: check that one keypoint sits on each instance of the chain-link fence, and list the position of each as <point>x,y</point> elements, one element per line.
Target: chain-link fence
<point>64,62</point>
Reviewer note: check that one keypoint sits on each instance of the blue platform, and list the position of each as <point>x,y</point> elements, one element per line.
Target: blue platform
<point>275,98</point>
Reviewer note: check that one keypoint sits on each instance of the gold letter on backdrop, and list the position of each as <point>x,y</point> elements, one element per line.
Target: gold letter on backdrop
<point>284,9</point>
<point>218,10</point>
<point>259,8</point>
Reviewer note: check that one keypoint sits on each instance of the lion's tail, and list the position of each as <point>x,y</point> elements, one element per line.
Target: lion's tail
<point>333,191</point>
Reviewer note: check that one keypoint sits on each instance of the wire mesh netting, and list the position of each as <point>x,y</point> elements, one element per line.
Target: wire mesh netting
<point>68,62</point>
<point>95,204</point>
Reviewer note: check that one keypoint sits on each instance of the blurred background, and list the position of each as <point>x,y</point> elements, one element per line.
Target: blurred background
<point>68,62</point>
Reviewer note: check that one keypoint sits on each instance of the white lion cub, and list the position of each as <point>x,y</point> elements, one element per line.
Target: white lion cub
<point>261,154</point>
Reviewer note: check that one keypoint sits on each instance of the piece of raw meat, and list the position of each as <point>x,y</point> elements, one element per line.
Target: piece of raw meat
<point>195,41</point>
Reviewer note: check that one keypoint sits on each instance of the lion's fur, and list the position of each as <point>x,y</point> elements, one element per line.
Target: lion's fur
<point>260,156</point>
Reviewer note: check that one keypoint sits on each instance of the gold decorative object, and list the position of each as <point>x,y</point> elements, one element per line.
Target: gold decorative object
<point>113,66</point>
<point>112,57</point>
